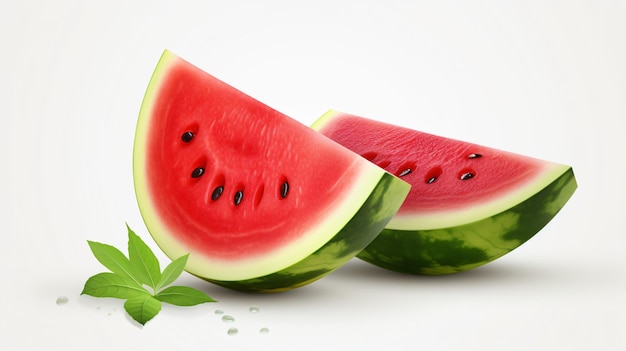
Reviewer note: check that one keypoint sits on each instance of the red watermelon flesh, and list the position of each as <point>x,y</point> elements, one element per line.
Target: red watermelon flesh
<point>254,169</point>
<point>449,178</point>
<point>246,190</point>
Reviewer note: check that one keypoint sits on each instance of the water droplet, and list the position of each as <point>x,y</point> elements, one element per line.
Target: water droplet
<point>264,330</point>
<point>62,300</point>
<point>232,331</point>
<point>254,309</point>
<point>219,312</point>
<point>228,319</point>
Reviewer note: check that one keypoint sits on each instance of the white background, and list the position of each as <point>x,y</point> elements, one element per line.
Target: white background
<point>542,78</point>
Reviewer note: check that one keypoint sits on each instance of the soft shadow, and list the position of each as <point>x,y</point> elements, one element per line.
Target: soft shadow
<point>495,271</point>
<point>220,293</point>
<point>358,273</point>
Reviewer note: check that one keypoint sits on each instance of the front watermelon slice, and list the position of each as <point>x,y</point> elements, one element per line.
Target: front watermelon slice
<point>260,201</point>
<point>468,204</point>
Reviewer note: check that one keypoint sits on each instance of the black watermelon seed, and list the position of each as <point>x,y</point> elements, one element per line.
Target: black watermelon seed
<point>466,176</point>
<point>284,189</point>
<point>474,156</point>
<point>238,197</point>
<point>187,136</point>
<point>433,174</point>
<point>405,172</point>
<point>217,192</point>
<point>197,172</point>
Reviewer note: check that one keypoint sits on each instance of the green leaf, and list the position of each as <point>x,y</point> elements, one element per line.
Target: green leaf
<point>112,258</point>
<point>130,276</point>
<point>113,285</point>
<point>172,271</point>
<point>142,308</point>
<point>143,262</point>
<point>183,296</point>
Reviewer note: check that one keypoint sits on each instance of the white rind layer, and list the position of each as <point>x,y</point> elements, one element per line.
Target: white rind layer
<point>457,217</point>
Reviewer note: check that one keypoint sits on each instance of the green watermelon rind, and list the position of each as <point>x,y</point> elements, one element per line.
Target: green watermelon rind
<point>464,247</point>
<point>358,233</point>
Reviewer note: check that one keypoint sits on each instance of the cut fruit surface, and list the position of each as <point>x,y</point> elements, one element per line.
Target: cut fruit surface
<point>249,192</point>
<point>468,205</point>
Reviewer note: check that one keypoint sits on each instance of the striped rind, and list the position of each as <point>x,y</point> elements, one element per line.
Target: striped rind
<point>460,248</point>
<point>290,253</point>
<point>358,233</point>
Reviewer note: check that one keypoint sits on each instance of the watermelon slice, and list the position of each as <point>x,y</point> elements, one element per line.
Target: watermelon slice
<point>468,204</point>
<point>260,201</point>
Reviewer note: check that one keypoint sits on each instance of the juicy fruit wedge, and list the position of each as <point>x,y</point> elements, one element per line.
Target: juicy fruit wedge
<point>468,205</point>
<point>260,201</point>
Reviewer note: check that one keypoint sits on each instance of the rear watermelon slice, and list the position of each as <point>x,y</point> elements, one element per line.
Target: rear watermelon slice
<point>468,204</point>
<point>260,201</point>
